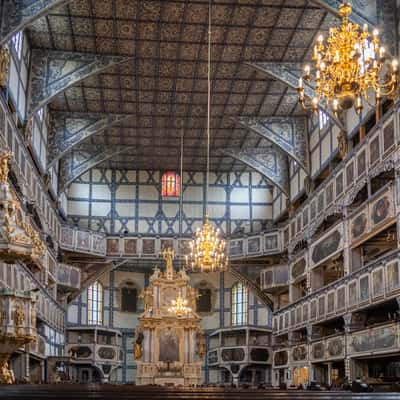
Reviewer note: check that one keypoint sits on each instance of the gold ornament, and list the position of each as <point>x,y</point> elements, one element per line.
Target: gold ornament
<point>179,307</point>
<point>207,250</point>
<point>349,64</point>
<point>4,65</point>
<point>4,165</point>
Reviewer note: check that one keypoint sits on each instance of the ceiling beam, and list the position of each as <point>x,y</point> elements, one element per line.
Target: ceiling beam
<point>285,72</point>
<point>268,161</point>
<point>288,133</point>
<point>18,14</point>
<point>70,129</point>
<point>362,14</point>
<point>77,162</point>
<point>52,72</point>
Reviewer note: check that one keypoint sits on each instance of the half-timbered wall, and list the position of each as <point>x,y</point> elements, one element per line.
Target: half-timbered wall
<point>118,201</point>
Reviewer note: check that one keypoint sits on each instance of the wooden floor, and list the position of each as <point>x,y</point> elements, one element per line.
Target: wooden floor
<point>121,392</point>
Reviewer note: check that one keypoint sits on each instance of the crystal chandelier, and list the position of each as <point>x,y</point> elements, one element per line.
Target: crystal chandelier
<point>179,307</point>
<point>347,66</point>
<point>207,248</point>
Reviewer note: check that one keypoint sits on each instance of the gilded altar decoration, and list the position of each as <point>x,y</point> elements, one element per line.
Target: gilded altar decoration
<point>347,66</point>
<point>17,327</point>
<point>4,65</point>
<point>169,345</point>
<point>18,239</point>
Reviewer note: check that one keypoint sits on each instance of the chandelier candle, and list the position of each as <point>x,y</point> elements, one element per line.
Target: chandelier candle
<point>350,63</point>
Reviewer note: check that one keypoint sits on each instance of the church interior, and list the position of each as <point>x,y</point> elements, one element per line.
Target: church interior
<point>199,199</point>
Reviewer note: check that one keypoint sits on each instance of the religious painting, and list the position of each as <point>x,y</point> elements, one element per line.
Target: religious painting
<point>63,274</point>
<point>381,210</point>
<point>321,202</point>
<point>107,353</point>
<point>393,276</point>
<point>349,174</point>
<point>377,282</point>
<point>327,246</point>
<point>67,237</point>
<point>321,306</point>
<point>113,246</point>
<point>313,312</point>
<point>299,353</point>
<point>318,350</point>
<point>293,317</point>
<point>270,242</point>
<point>130,247</point>
<point>184,246</point>
<point>236,247</point>
<point>254,245</point>
<point>281,358</point>
<point>305,312</point>
<point>331,302</point>
<point>148,246</point>
<point>298,268</point>
<point>236,354</point>
<point>286,236</point>
<point>286,320</point>
<point>374,151</point>
<point>167,244</point>
<point>358,225</point>
<point>298,315</point>
<point>388,136</point>
<point>268,278</point>
<point>341,298</point>
<point>353,293</point>
<point>98,243</point>
<point>361,163</point>
<point>169,346</point>
<point>312,210</point>
<point>329,194</point>
<point>335,347</point>
<point>75,278</point>
<point>212,357</point>
<point>305,217</point>
<point>381,338</point>
<point>83,240</point>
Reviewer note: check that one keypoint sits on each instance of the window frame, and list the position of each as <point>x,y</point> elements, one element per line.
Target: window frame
<point>95,303</point>
<point>239,304</point>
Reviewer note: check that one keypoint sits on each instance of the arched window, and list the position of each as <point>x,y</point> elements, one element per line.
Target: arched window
<point>171,185</point>
<point>204,303</point>
<point>240,303</point>
<point>95,304</point>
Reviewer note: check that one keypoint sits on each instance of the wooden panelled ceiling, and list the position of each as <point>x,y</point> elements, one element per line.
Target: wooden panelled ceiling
<point>164,87</point>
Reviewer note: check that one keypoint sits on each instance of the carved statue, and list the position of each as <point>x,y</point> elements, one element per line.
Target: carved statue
<point>201,344</point>
<point>28,132</point>
<point>4,65</point>
<point>138,345</point>
<point>192,296</point>
<point>168,255</point>
<point>4,168</point>
<point>342,144</point>
<point>19,316</point>
<point>6,374</point>
<point>147,296</point>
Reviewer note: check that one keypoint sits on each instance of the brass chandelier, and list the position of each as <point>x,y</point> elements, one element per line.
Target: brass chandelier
<point>207,249</point>
<point>347,66</point>
<point>179,307</point>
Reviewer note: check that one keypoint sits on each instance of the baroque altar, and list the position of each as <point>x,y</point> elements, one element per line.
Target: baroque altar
<point>169,347</point>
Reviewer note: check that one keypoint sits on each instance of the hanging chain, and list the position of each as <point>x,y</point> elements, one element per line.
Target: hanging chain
<point>208,104</point>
